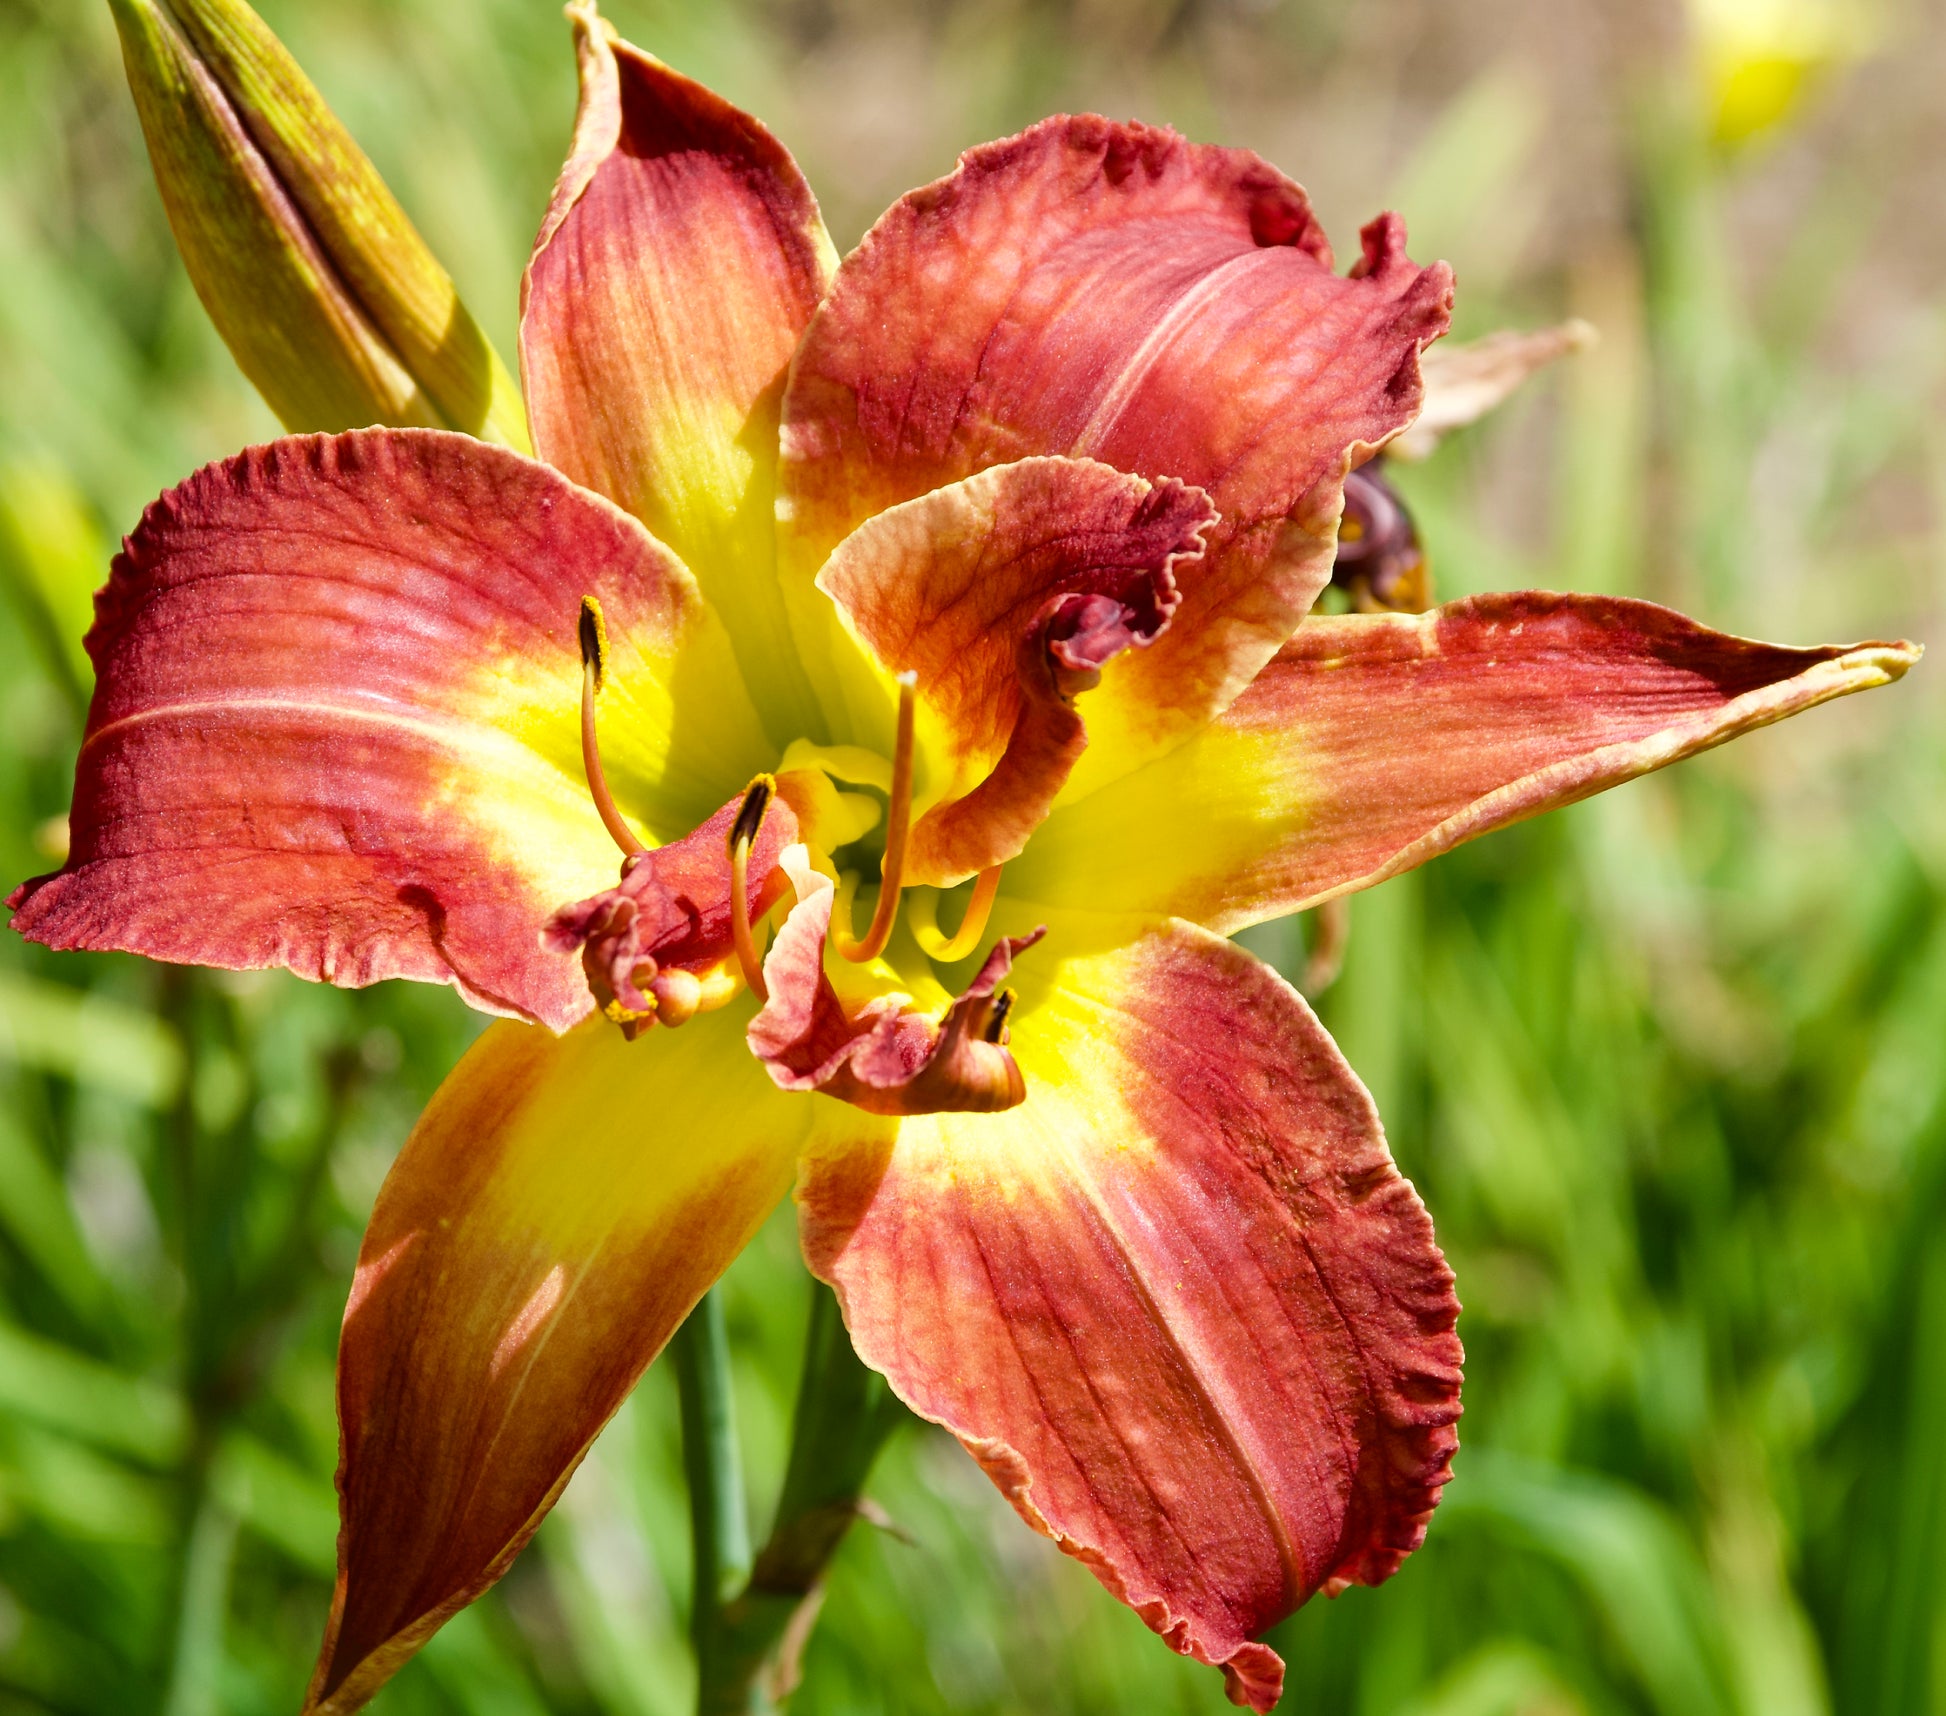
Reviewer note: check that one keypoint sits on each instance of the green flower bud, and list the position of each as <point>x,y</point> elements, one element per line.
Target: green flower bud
<point>325,293</point>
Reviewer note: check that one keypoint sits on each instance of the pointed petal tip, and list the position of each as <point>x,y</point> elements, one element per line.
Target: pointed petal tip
<point>1390,738</point>
<point>1889,660</point>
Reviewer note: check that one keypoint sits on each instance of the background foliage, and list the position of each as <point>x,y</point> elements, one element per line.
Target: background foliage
<point>1670,1068</point>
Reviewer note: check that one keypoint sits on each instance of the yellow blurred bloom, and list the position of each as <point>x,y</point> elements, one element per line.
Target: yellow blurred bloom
<point>1760,59</point>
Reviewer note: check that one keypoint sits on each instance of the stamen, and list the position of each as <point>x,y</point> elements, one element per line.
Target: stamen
<point>594,658</point>
<point>898,823</point>
<point>946,949</point>
<point>996,1025</point>
<point>743,835</point>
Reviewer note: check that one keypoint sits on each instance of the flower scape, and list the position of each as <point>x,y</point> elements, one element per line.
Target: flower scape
<point>970,581</point>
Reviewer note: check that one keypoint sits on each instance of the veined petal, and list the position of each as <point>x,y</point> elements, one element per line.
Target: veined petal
<point>1007,594</point>
<point>336,719</point>
<point>1374,742</point>
<point>1179,1303</point>
<point>679,260</point>
<point>1114,292</point>
<point>557,1211</point>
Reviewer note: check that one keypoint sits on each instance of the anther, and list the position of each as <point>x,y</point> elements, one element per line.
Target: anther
<point>898,823</point>
<point>996,1025</point>
<point>945,948</point>
<point>594,660</point>
<point>743,835</point>
<point>593,631</point>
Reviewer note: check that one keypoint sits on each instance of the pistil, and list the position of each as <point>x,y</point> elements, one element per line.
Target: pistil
<point>743,835</point>
<point>594,655</point>
<point>898,822</point>
<point>945,948</point>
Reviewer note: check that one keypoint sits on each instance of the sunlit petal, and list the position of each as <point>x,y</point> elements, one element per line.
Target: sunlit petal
<point>558,1210</point>
<point>1008,595</point>
<point>1179,1303</point>
<point>679,260</point>
<point>1375,742</point>
<point>336,726</point>
<point>1112,291</point>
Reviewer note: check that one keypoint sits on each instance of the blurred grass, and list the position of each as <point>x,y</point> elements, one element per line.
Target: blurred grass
<point>1670,1068</point>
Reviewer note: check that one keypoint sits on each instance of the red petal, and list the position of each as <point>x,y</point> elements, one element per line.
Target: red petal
<point>671,909</point>
<point>1112,291</point>
<point>680,258</point>
<point>1374,742</point>
<point>558,1209</point>
<point>1179,1304</point>
<point>1007,594</point>
<point>336,723</point>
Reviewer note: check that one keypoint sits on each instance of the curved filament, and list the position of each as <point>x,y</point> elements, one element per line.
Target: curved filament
<point>947,948</point>
<point>898,823</point>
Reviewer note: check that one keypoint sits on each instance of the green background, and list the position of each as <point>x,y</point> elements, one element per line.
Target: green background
<point>1669,1067</point>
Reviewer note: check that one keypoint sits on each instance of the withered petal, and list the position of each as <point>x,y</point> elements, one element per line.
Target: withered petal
<point>671,909</point>
<point>1463,382</point>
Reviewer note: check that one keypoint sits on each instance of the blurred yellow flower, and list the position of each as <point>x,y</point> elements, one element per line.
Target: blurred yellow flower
<point>1760,59</point>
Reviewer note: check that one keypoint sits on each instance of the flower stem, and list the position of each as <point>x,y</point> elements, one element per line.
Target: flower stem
<point>844,1414</point>
<point>719,1527</point>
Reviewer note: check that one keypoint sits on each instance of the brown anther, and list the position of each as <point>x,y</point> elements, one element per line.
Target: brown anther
<point>995,1029</point>
<point>743,835</point>
<point>593,632</point>
<point>944,948</point>
<point>898,823</point>
<point>594,658</point>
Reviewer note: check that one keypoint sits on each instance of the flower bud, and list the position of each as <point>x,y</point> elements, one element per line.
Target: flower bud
<point>329,299</point>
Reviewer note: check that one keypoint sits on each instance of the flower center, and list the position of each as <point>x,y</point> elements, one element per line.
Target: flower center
<point>842,763</point>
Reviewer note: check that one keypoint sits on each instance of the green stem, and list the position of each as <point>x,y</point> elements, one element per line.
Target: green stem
<point>844,1414</point>
<point>718,1522</point>
<point>196,1670</point>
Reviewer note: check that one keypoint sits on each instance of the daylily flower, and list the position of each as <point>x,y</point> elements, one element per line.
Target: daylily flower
<point>977,564</point>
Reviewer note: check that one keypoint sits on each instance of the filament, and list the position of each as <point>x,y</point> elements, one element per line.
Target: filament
<point>743,835</point>
<point>898,822</point>
<point>594,650</point>
<point>945,948</point>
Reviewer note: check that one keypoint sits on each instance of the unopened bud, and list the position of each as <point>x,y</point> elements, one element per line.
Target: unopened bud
<point>324,292</point>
